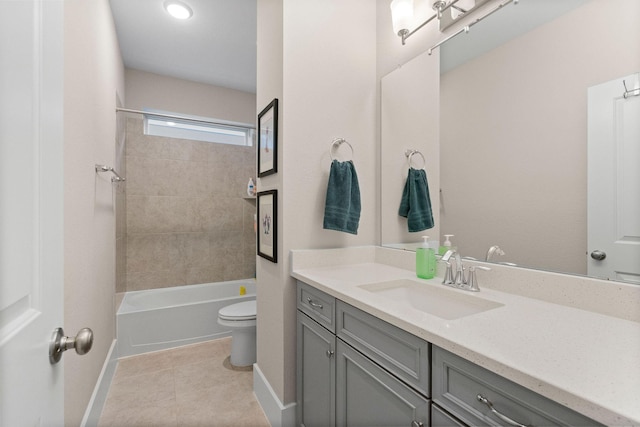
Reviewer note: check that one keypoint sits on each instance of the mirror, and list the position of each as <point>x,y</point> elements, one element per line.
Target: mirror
<point>513,128</point>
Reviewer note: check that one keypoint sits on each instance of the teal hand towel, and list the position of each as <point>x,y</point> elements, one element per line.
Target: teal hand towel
<point>415,204</point>
<point>342,204</point>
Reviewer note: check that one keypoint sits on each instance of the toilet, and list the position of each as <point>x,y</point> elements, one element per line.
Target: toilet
<point>241,319</point>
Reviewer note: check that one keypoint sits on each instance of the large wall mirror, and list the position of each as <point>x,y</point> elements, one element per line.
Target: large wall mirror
<point>514,133</point>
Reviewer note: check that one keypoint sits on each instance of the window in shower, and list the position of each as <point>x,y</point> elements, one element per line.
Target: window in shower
<point>174,125</point>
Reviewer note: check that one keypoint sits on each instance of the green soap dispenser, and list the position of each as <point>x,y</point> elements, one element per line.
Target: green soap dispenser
<point>446,245</point>
<point>425,260</point>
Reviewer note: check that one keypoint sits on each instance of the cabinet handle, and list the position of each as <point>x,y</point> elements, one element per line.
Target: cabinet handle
<point>503,417</point>
<point>314,304</point>
<point>415,423</point>
<point>329,354</point>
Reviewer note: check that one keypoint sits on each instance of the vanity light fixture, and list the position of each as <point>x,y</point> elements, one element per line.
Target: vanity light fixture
<point>178,9</point>
<point>402,15</point>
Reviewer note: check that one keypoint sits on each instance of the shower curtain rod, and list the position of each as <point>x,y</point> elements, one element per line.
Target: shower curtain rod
<point>188,119</point>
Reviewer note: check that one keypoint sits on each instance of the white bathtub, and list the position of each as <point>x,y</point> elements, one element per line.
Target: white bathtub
<point>159,319</point>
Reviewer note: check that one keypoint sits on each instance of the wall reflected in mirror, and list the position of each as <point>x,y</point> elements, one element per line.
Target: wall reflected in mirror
<point>513,128</point>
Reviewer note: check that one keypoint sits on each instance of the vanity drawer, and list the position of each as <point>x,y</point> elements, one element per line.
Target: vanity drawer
<point>318,305</point>
<point>457,383</point>
<point>401,353</point>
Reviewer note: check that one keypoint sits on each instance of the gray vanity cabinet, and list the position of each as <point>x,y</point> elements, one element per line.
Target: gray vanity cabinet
<point>440,418</point>
<point>369,396</point>
<point>479,397</point>
<point>316,363</point>
<point>316,374</point>
<point>354,369</point>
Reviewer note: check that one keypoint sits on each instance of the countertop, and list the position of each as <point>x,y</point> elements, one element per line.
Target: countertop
<point>587,361</point>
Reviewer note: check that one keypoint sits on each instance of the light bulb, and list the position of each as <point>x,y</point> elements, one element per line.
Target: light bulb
<point>401,14</point>
<point>178,9</point>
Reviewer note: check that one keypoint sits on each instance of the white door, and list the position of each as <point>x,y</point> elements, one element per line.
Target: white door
<point>31,221</point>
<point>614,180</point>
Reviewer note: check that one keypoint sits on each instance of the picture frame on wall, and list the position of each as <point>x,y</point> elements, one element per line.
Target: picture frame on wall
<point>267,214</point>
<point>268,139</point>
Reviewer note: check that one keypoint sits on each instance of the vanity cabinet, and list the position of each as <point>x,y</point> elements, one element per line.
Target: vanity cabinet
<point>440,418</point>
<point>468,392</point>
<point>367,395</point>
<point>354,369</point>
<point>316,362</point>
<point>316,374</point>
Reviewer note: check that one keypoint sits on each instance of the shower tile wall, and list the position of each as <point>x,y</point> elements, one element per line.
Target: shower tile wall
<point>187,217</point>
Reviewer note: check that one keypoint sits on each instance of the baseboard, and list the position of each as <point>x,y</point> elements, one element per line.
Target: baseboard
<point>99,396</point>
<point>279,415</point>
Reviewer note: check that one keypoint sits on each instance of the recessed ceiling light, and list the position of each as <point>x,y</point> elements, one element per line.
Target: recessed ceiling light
<point>178,10</point>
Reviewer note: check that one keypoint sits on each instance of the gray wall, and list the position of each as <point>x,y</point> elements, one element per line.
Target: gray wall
<point>188,217</point>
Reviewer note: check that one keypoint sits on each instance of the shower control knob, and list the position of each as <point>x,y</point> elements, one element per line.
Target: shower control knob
<point>60,343</point>
<point>598,255</point>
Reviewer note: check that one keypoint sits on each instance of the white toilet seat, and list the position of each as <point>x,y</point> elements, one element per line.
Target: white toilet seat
<point>239,312</point>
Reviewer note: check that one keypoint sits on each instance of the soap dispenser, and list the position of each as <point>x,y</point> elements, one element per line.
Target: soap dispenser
<point>425,260</point>
<point>446,245</point>
<point>251,188</point>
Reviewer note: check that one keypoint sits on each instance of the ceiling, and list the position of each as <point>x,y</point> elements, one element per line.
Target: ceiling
<point>217,45</point>
<point>512,21</point>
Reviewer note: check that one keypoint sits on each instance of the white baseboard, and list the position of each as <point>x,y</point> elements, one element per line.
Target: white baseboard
<point>279,415</point>
<point>99,396</point>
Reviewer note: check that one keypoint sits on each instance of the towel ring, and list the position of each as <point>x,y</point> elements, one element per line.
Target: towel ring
<point>336,143</point>
<point>410,153</point>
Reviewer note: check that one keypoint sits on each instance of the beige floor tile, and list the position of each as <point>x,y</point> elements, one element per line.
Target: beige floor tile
<point>142,389</point>
<point>143,364</point>
<point>187,386</point>
<point>220,406</point>
<point>203,374</point>
<point>160,414</point>
<point>210,350</point>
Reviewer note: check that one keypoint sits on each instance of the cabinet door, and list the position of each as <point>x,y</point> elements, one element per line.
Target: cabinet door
<point>368,396</point>
<point>316,372</point>
<point>440,418</point>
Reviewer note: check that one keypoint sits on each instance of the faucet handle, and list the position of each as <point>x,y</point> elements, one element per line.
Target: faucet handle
<point>472,281</point>
<point>448,275</point>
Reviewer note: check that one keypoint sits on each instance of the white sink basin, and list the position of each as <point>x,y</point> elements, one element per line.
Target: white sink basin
<point>439,301</point>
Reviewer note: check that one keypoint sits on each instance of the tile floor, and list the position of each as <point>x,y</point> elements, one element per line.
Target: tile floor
<point>187,386</point>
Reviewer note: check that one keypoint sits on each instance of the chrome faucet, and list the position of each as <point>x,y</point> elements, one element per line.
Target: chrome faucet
<point>459,279</point>
<point>473,281</point>
<point>495,249</point>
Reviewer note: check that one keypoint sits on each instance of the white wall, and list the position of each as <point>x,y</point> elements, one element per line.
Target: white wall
<point>410,120</point>
<point>93,75</point>
<point>325,80</point>
<point>148,90</point>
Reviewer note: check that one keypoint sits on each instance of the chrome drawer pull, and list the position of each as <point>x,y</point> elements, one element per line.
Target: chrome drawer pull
<point>314,304</point>
<point>415,423</point>
<point>504,418</point>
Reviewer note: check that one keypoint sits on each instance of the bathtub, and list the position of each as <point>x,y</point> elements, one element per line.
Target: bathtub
<point>158,319</point>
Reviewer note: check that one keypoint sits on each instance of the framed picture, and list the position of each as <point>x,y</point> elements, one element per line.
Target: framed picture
<point>268,139</point>
<point>267,207</point>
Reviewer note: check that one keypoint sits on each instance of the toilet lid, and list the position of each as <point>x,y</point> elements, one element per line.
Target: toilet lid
<point>245,310</point>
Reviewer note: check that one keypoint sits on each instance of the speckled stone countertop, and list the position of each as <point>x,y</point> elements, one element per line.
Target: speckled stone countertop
<point>585,360</point>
